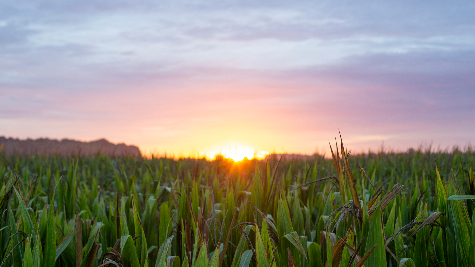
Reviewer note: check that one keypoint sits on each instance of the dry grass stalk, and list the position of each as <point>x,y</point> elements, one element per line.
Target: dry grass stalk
<point>92,254</point>
<point>291,262</point>
<point>78,241</point>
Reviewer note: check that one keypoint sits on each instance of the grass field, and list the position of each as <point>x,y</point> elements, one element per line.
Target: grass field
<point>394,209</point>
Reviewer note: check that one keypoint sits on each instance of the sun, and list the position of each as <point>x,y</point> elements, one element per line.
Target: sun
<point>237,152</point>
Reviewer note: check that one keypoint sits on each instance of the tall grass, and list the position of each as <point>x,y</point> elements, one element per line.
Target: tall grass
<point>394,209</point>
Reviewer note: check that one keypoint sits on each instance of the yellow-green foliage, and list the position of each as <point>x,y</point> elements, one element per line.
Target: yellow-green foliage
<point>343,211</point>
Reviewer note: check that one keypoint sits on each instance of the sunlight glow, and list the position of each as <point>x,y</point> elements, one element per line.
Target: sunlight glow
<point>237,153</point>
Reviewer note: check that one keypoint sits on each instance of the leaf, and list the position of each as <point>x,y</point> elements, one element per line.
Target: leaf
<point>245,258</point>
<point>439,249</point>
<point>373,200</point>
<point>165,224</point>
<point>337,251</point>
<point>284,226</point>
<point>461,197</point>
<point>227,239</point>
<point>64,244</point>
<point>238,251</point>
<point>330,236</point>
<point>28,257</point>
<point>127,249</point>
<point>329,249</point>
<point>43,221</point>
<point>360,262</point>
<point>91,240</point>
<point>163,252</point>
<point>269,222</point>
<point>461,230</point>
<point>202,259</point>
<point>50,243</point>
<point>406,262</point>
<point>30,226</point>
<point>389,226</point>
<point>314,255</point>
<point>297,219</point>
<point>295,240</point>
<point>150,249</point>
<point>429,220</point>
<point>376,236</point>
<point>354,252</point>
<point>472,240</point>
<point>421,252</point>
<point>14,247</point>
<point>141,243</point>
<point>37,252</point>
<point>173,261</point>
<point>261,255</point>
<point>214,262</point>
<point>441,194</point>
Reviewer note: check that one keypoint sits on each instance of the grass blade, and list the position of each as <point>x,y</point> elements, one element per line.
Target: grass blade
<point>64,244</point>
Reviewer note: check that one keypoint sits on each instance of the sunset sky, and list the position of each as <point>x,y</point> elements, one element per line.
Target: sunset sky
<point>199,77</point>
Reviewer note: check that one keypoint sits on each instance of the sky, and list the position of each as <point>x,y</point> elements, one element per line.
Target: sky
<point>199,77</point>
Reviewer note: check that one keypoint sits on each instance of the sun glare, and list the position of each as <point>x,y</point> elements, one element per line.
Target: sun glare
<point>238,153</point>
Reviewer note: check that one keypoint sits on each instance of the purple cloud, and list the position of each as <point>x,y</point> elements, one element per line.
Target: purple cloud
<point>160,73</point>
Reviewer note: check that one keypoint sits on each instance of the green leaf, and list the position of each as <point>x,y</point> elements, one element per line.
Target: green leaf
<point>297,220</point>
<point>439,249</point>
<point>64,244</point>
<point>214,262</point>
<point>202,259</point>
<point>260,251</point>
<point>329,249</point>
<point>295,240</point>
<point>141,242</point>
<point>151,248</point>
<point>128,252</point>
<point>50,243</point>
<point>238,251</point>
<point>37,252</point>
<point>245,258</point>
<point>406,262</point>
<point>29,225</point>
<point>448,236</point>
<point>185,262</point>
<point>314,255</point>
<point>90,242</point>
<point>164,224</point>
<point>441,194</point>
<point>421,250</point>
<point>163,252</point>
<point>173,261</point>
<point>15,239</point>
<point>123,217</point>
<point>376,237</point>
<point>461,230</point>
<point>472,241</point>
<point>43,222</point>
<point>461,197</point>
<point>284,226</point>
<point>28,258</point>
<point>389,227</point>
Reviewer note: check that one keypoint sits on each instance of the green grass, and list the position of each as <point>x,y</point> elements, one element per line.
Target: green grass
<point>394,209</point>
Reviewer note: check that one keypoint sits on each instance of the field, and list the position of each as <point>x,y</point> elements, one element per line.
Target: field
<point>378,209</point>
